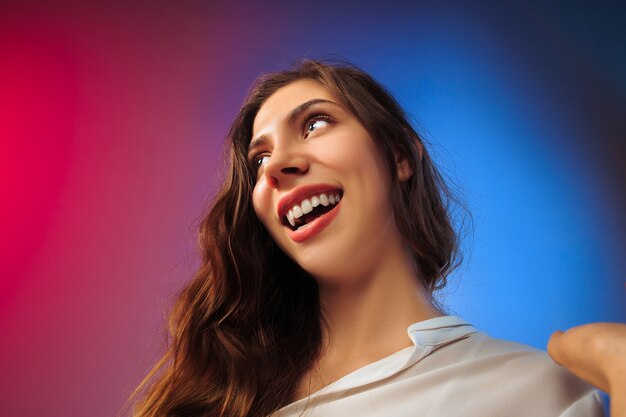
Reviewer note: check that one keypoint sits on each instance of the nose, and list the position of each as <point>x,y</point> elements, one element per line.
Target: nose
<point>285,164</point>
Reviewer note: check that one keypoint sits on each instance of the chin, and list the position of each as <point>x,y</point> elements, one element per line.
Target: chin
<point>329,267</point>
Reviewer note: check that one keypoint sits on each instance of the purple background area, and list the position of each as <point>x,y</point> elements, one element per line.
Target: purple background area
<point>112,120</point>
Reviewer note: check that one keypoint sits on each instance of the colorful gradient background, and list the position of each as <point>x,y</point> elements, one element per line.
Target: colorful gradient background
<point>111,129</point>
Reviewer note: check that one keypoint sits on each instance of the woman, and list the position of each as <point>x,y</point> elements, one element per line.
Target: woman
<point>321,253</point>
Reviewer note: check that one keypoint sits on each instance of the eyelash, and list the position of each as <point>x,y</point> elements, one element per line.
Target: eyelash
<point>256,158</point>
<point>315,118</point>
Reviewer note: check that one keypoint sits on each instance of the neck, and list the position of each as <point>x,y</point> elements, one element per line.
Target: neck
<point>366,318</point>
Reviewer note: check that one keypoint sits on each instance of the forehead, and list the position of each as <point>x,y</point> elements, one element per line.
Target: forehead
<point>278,106</point>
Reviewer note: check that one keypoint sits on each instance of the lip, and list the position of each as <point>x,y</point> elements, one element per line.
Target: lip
<point>314,227</point>
<point>299,194</point>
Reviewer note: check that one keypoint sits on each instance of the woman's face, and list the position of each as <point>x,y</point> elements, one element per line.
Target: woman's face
<point>322,189</point>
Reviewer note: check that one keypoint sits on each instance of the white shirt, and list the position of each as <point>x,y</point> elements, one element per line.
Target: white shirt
<point>454,370</point>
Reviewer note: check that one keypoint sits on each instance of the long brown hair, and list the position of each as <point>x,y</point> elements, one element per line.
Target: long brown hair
<point>248,325</point>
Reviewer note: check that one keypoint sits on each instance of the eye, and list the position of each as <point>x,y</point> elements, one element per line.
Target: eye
<point>259,160</point>
<point>315,122</point>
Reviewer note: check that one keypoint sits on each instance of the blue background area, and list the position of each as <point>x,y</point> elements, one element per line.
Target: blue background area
<point>509,98</point>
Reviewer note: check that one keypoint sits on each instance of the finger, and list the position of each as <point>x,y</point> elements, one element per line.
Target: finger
<point>554,347</point>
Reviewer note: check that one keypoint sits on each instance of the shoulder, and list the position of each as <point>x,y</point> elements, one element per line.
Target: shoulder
<point>526,376</point>
<point>505,357</point>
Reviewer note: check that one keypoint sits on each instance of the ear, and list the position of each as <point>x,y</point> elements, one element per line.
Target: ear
<point>416,142</point>
<point>403,168</point>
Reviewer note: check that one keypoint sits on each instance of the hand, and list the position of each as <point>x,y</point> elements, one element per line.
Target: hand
<point>594,352</point>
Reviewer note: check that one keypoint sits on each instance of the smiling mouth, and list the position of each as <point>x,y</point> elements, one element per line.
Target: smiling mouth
<point>311,208</point>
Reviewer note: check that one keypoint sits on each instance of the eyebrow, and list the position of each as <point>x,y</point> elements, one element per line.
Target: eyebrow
<point>291,118</point>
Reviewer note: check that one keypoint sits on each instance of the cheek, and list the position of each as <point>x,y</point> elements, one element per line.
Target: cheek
<point>261,201</point>
<point>364,158</point>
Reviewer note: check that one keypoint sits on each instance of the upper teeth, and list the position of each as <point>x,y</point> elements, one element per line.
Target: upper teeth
<point>307,205</point>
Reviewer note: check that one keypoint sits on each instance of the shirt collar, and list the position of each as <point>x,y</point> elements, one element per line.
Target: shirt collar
<point>439,331</point>
<point>427,336</point>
